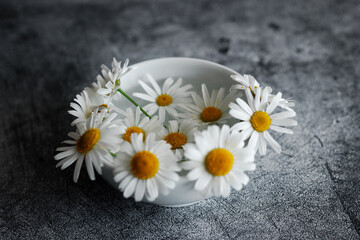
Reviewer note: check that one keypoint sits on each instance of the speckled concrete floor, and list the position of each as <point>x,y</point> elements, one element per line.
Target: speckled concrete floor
<point>310,51</point>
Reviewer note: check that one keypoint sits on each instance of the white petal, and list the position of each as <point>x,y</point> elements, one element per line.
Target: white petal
<point>78,167</point>
<point>234,181</point>
<point>216,186</point>
<point>262,144</point>
<point>65,154</point>
<point>244,179</point>
<point>130,188</point>
<point>195,173</point>
<point>163,180</point>
<point>241,126</point>
<point>171,110</point>
<point>124,183</point>
<point>188,165</point>
<point>272,142</point>
<point>148,89</point>
<point>167,84</point>
<point>224,133</point>
<point>284,122</point>
<point>253,142</point>
<point>206,96</point>
<point>140,190</point>
<point>257,99</point>
<point>274,103</point>
<point>154,84</point>
<point>144,97</point>
<point>173,126</point>
<point>244,106</point>
<point>162,114</point>
<point>281,129</point>
<point>250,99</point>
<point>74,135</point>
<point>225,188</point>
<point>89,167</point>
<point>67,161</point>
<point>62,149</point>
<point>192,152</point>
<point>245,134</point>
<point>264,98</point>
<point>203,182</point>
<point>118,177</point>
<point>283,115</point>
<point>152,191</point>
<point>240,115</point>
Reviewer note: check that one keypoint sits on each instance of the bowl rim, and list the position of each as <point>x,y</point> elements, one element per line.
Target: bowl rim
<point>185,59</point>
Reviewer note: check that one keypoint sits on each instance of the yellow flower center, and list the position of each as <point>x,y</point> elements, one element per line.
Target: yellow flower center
<point>88,140</point>
<point>144,165</point>
<point>130,130</point>
<point>176,140</point>
<point>260,121</point>
<point>219,162</point>
<point>210,114</point>
<point>163,100</point>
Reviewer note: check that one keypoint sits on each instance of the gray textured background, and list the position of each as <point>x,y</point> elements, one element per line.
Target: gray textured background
<point>310,51</point>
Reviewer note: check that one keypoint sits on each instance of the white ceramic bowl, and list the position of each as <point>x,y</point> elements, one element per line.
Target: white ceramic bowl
<point>193,71</point>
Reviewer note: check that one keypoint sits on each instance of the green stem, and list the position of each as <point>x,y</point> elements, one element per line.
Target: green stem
<point>131,100</point>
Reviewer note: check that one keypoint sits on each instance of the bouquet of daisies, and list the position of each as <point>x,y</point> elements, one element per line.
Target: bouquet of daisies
<point>179,131</point>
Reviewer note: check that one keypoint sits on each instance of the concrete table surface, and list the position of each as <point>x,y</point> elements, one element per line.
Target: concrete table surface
<point>310,51</point>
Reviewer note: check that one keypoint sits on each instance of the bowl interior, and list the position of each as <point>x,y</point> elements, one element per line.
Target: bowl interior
<point>192,71</point>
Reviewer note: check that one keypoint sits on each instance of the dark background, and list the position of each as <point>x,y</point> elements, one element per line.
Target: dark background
<point>309,50</point>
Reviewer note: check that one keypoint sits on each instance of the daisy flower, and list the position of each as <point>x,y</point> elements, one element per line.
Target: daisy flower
<point>145,168</point>
<point>217,161</point>
<point>257,118</point>
<point>209,109</point>
<point>248,81</point>
<point>116,67</point>
<point>92,143</point>
<point>245,81</point>
<point>109,82</point>
<point>165,99</point>
<point>102,80</point>
<point>134,124</point>
<point>178,135</point>
<point>86,102</point>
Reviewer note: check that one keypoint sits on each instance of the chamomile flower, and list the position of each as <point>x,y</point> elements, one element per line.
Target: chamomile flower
<point>109,82</point>
<point>249,82</point>
<point>86,102</point>
<point>116,67</point>
<point>133,123</point>
<point>245,81</point>
<point>177,135</point>
<point>209,109</point>
<point>92,143</point>
<point>217,161</point>
<point>165,99</point>
<point>257,118</point>
<point>102,80</point>
<point>145,168</point>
